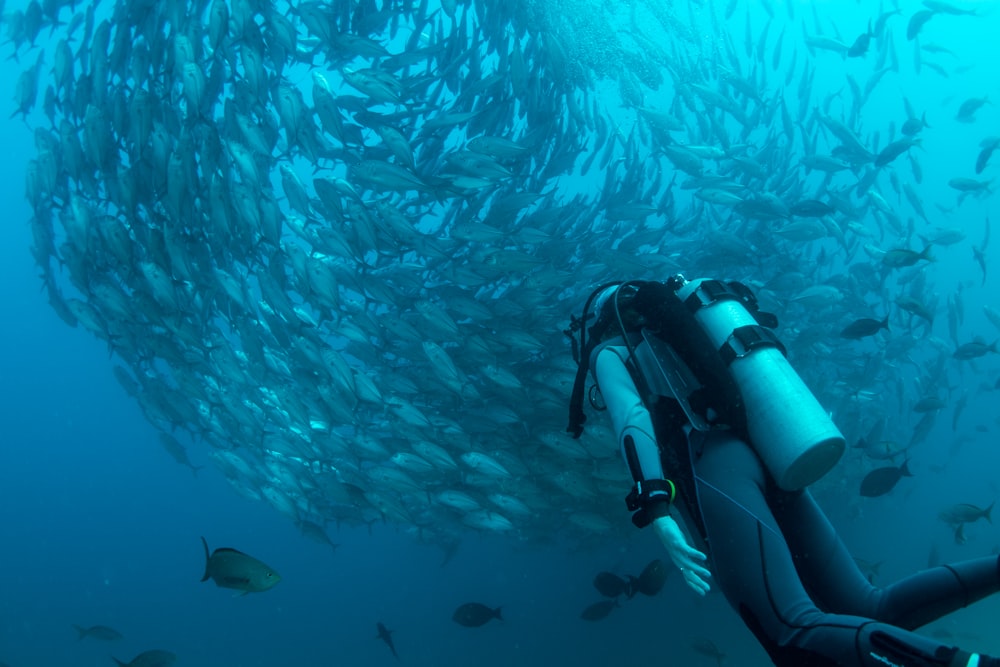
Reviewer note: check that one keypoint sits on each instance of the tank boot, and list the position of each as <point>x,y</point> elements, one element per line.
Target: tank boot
<point>966,659</point>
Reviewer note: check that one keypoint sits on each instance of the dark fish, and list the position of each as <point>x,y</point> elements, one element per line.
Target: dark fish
<point>914,125</point>
<point>652,578</point>
<point>967,513</point>
<point>882,480</point>
<point>948,8</point>
<point>894,150</point>
<point>385,634</point>
<point>969,184</point>
<point>598,610</point>
<point>917,22</point>
<point>230,568</point>
<point>473,615</point>
<point>966,112</point>
<point>611,585</point>
<point>861,44</point>
<point>101,632</point>
<point>898,258</point>
<point>866,326</point>
<point>974,350</point>
<point>707,648</point>
<point>928,404</point>
<point>154,658</point>
<point>988,145</point>
<point>811,208</point>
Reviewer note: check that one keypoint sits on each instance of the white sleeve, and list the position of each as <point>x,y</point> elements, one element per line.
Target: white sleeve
<point>629,416</point>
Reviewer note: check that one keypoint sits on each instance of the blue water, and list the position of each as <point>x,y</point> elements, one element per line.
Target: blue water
<point>99,526</point>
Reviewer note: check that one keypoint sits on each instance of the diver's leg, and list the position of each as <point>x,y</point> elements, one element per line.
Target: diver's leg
<point>834,580</point>
<point>755,570</point>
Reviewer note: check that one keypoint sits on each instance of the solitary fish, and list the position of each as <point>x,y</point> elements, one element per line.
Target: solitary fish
<point>652,578</point>
<point>611,585</point>
<point>385,634</point>
<point>154,658</point>
<point>599,610</point>
<point>101,632</point>
<point>707,648</point>
<point>882,480</point>
<point>230,568</point>
<point>473,615</point>
<point>866,326</point>
<point>966,513</point>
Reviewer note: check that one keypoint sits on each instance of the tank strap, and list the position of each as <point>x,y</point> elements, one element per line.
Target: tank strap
<point>746,339</point>
<point>709,292</point>
<point>713,291</point>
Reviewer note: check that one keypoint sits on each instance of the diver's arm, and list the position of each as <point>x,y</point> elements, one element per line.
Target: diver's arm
<point>637,440</point>
<point>629,416</point>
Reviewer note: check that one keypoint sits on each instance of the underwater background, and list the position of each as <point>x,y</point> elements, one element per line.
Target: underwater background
<point>100,526</point>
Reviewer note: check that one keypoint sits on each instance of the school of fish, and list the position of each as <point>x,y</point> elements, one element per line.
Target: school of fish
<point>337,243</point>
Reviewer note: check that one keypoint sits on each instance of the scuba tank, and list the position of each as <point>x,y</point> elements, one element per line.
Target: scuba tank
<point>787,427</point>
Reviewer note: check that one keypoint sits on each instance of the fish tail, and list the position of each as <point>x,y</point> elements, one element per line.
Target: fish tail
<point>926,254</point>
<point>119,662</point>
<point>904,470</point>
<point>988,511</point>
<point>496,613</point>
<point>207,558</point>
<point>83,631</point>
<point>885,322</point>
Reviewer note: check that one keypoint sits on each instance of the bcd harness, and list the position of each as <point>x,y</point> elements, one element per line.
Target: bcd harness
<point>654,308</point>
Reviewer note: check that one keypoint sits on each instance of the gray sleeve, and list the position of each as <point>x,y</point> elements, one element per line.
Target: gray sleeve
<point>629,416</point>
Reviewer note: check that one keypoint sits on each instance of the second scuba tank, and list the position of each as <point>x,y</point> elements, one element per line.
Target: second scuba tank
<point>788,428</point>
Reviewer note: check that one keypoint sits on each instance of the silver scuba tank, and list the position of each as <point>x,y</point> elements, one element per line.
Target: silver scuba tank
<point>788,428</point>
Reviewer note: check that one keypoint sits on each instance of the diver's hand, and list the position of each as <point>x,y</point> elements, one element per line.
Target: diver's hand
<point>688,560</point>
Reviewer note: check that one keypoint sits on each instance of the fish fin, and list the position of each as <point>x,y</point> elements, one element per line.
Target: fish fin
<point>207,559</point>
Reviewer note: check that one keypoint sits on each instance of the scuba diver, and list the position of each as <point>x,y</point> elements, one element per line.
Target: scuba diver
<point>718,430</point>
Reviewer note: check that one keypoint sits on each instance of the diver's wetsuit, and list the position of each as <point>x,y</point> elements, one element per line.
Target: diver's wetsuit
<point>778,560</point>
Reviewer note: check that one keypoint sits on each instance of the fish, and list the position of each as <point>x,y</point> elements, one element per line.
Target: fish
<point>917,22</point>
<point>152,658</point>
<point>970,185</point>
<point>317,333</point>
<point>974,350</point>
<point>966,513</point>
<point>230,568</point>
<point>611,585</point>
<point>707,648</point>
<point>475,614</point>
<point>652,578</point>
<point>385,634</point>
<point>913,125</point>
<point>860,45</point>
<point>102,632</point>
<point>881,481</point>
<point>987,146</point>
<point>599,610</point>
<point>864,327</point>
<point>903,257</point>
<point>178,452</point>
<point>966,113</point>
<point>894,150</point>
<point>869,569</point>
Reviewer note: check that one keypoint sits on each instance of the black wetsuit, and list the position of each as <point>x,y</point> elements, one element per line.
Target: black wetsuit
<point>784,569</point>
<point>773,552</point>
